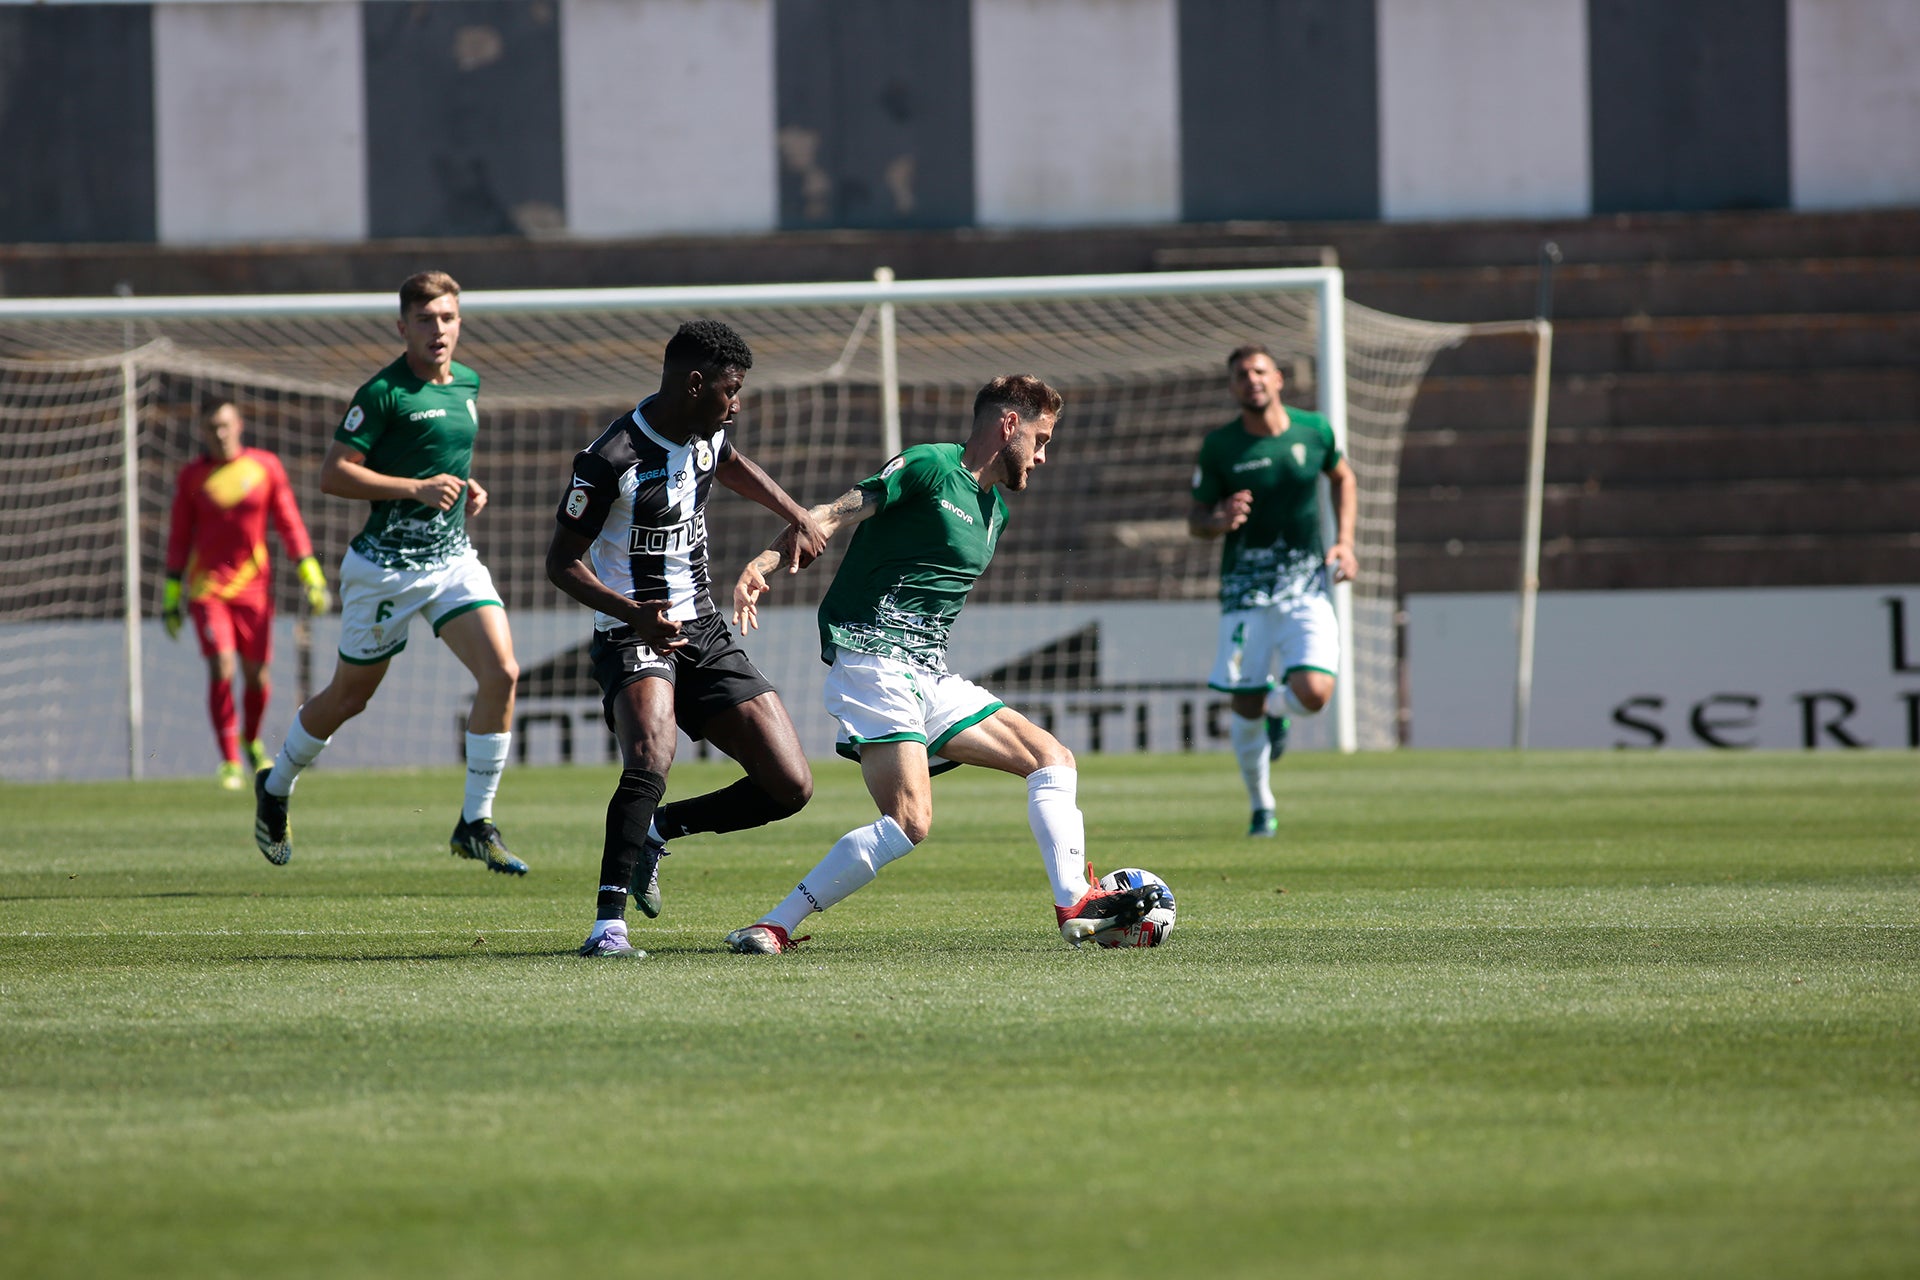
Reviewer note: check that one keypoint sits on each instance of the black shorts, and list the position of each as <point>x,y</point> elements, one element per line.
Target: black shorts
<point>709,675</point>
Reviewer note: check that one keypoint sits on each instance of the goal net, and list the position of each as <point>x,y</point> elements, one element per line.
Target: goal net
<point>1097,617</point>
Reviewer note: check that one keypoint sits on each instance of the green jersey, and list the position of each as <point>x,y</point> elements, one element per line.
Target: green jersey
<point>408,427</point>
<point>911,565</point>
<point>1278,554</point>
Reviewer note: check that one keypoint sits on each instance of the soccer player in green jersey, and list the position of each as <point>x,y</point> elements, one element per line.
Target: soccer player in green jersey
<point>1257,484</point>
<point>928,524</point>
<point>406,447</point>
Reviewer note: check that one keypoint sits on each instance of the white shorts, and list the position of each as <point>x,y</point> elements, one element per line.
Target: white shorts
<point>1296,635</point>
<point>875,699</point>
<point>377,604</point>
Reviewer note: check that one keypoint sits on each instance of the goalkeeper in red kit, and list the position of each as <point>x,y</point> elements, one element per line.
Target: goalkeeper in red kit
<point>217,571</point>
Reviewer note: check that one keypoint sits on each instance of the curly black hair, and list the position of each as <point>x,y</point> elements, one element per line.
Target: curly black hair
<point>709,346</point>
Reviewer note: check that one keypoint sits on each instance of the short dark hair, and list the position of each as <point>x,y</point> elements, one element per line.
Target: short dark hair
<point>709,346</point>
<point>1023,393</point>
<point>1247,351</point>
<point>424,286</point>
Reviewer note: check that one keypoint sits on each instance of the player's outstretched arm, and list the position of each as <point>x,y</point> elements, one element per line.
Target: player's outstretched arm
<point>851,507</point>
<point>744,476</point>
<point>749,587</point>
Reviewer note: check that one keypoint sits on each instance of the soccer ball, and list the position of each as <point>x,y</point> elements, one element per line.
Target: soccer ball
<point>1153,930</point>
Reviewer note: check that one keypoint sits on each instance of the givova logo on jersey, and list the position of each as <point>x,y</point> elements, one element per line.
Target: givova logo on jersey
<point>684,536</point>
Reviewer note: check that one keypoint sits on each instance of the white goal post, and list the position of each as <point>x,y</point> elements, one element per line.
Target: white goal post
<point>844,375</point>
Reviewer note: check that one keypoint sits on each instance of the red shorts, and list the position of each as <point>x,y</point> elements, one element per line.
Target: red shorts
<point>243,626</point>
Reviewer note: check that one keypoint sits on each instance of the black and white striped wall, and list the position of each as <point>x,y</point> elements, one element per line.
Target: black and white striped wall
<point>342,120</point>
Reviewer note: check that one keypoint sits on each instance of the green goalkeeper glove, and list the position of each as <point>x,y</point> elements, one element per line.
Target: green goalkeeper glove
<point>315,582</point>
<point>170,607</point>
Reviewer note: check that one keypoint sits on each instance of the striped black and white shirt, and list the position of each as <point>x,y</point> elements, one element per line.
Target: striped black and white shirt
<point>643,501</point>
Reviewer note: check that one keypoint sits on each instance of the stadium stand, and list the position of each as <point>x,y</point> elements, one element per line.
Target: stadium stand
<point>1736,402</point>
<point>1736,396</point>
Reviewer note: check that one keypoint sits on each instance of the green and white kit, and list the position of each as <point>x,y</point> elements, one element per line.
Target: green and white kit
<point>414,429</point>
<point>909,568</point>
<point>886,620</point>
<point>1275,593</point>
<point>410,558</point>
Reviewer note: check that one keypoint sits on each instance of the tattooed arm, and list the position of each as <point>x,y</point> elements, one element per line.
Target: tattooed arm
<point>850,508</point>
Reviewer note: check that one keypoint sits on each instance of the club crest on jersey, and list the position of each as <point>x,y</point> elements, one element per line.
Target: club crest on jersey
<point>1299,455</point>
<point>473,410</point>
<point>702,455</point>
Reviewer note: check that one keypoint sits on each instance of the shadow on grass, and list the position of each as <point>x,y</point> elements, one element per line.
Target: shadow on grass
<point>78,896</point>
<point>288,893</point>
<point>339,957</point>
<point>488,951</point>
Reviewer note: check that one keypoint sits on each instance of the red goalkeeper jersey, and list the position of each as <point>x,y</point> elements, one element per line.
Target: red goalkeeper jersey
<point>218,541</point>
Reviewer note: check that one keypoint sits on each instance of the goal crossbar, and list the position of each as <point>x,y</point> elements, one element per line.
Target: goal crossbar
<point>680,298</point>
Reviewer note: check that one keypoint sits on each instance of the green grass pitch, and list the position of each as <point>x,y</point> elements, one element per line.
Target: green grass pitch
<point>1471,1015</point>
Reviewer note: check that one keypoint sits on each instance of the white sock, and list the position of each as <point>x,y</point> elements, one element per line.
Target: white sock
<point>1059,829</point>
<point>601,928</point>
<point>1255,755</point>
<point>486,757</point>
<point>298,751</point>
<point>851,865</point>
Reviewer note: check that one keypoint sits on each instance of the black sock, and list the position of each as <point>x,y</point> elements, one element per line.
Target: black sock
<point>739,807</point>
<point>627,816</point>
